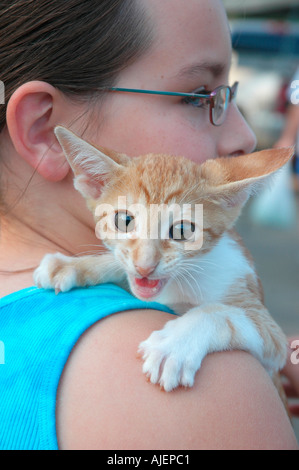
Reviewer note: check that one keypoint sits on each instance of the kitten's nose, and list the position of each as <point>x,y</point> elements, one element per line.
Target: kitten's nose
<point>145,272</point>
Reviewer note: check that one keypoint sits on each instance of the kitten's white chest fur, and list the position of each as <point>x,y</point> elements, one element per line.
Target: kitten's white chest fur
<point>210,277</point>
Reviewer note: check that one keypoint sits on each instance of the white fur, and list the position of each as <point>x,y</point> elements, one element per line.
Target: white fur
<point>42,275</point>
<point>215,273</point>
<point>173,355</point>
<point>179,348</point>
<point>182,344</point>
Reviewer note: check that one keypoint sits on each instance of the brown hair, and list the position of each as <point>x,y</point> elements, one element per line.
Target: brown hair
<point>78,46</point>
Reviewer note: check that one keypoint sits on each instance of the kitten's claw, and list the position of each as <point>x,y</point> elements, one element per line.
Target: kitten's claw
<point>56,272</point>
<point>165,361</point>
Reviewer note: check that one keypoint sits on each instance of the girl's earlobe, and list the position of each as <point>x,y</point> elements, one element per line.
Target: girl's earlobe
<point>30,122</point>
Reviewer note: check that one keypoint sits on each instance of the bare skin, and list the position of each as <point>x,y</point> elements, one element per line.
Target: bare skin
<point>289,134</point>
<point>233,404</point>
<point>48,215</point>
<point>291,373</point>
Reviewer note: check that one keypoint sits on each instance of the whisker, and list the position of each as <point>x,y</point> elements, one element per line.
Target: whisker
<point>205,261</point>
<point>189,274</point>
<point>90,244</point>
<point>200,270</point>
<point>176,279</point>
<point>193,265</point>
<point>190,190</point>
<point>90,252</point>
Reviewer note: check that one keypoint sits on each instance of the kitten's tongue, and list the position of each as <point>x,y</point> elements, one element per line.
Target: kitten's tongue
<point>145,282</point>
<point>147,288</point>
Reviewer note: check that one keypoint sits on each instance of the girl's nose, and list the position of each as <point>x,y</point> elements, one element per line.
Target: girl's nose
<point>237,137</point>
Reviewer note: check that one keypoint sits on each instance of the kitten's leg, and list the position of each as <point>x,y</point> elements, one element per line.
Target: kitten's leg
<point>173,355</point>
<point>62,273</point>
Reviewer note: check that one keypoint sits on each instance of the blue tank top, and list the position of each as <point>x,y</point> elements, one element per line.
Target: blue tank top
<point>38,331</point>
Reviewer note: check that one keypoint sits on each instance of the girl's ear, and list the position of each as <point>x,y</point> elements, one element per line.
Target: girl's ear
<point>31,116</point>
<point>92,167</point>
<point>231,180</point>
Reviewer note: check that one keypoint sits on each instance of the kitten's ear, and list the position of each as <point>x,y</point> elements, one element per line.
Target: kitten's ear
<point>231,180</point>
<point>91,166</point>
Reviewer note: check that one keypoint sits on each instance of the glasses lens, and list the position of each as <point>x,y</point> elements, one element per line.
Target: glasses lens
<point>221,102</point>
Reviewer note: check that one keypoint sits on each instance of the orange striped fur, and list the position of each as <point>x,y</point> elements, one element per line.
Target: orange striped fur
<point>211,284</point>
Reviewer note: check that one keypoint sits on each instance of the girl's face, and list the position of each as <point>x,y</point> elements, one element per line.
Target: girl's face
<point>192,49</point>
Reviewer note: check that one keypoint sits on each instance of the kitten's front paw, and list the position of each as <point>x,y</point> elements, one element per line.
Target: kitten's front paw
<point>169,358</point>
<point>55,272</point>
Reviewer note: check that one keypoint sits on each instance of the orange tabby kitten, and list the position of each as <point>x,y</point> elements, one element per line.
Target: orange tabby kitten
<point>187,259</point>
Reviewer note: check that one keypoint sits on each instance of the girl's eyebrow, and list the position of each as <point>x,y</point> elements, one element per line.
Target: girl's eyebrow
<point>194,70</point>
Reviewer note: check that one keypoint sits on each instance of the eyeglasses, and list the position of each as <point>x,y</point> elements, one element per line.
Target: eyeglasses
<point>218,99</point>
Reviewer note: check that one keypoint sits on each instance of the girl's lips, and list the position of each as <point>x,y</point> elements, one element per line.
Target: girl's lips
<point>147,288</point>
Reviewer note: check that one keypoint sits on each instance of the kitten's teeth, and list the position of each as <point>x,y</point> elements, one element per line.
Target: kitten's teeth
<point>147,288</point>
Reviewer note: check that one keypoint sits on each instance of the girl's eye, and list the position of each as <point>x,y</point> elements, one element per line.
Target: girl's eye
<point>182,231</point>
<point>124,222</point>
<point>195,101</point>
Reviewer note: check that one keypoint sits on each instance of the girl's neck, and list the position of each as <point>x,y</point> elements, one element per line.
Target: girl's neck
<point>41,217</point>
<point>23,245</point>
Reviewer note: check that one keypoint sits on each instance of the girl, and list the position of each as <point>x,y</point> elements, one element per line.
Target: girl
<point>71,379</point>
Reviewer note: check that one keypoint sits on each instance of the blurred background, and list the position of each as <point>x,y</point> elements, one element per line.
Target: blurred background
<point>265,36</point>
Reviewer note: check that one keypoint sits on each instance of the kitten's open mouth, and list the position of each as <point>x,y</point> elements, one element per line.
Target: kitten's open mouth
<point>146,288</point>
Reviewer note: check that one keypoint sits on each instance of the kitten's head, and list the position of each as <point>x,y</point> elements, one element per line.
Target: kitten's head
<point>158,212</point>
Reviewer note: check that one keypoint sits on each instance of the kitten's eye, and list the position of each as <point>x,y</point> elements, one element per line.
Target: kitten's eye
<point>124,222</point>
<point>182,231</point>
